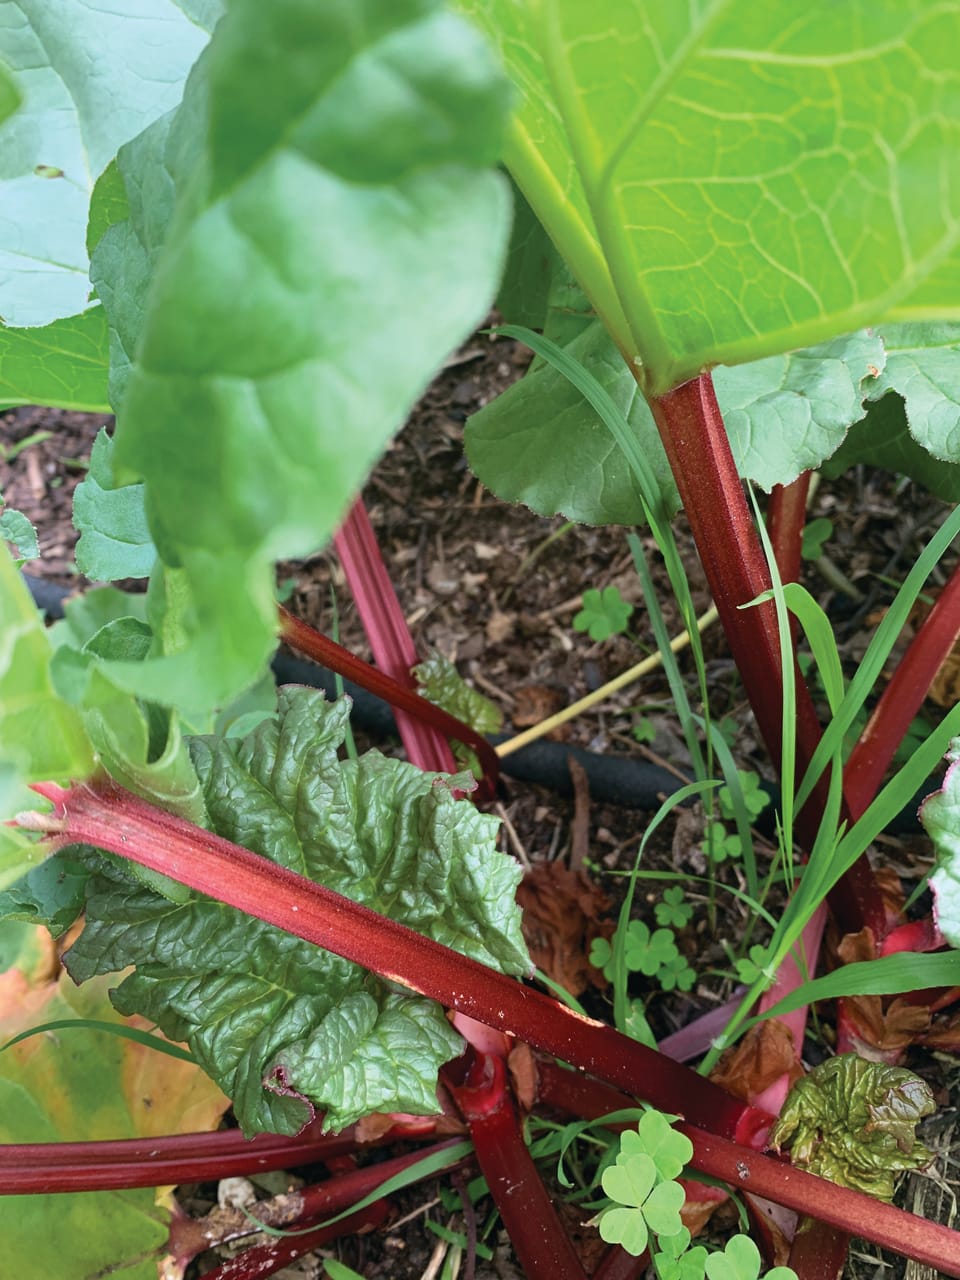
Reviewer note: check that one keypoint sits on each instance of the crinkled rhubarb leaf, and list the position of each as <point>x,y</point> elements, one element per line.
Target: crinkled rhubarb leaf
<point>442,684</point>
<point>853,1122</point>
<point>336,213</point>
<point>115,540</point>
<point>92,76</point>
<point>541,442</point>
<point>282,1025</point>
<point>940,815</point>
<point>730,181</point>
<point>923,365</point>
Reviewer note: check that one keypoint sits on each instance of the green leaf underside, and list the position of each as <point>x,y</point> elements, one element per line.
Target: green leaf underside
<point>940,815</point>
<point>883,439</point>
<point>853,1122</point>
<point>728,183</point>
<point>282,1025</point>
<point>40,735</point>
<point>541,442</point>
<point>91,78</point>
<point>115,540</point>
<point>63,365</point>
<point>335,215</point>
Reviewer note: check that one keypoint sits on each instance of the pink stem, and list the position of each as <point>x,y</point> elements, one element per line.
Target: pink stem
<point>388,633</point>
<point>902,699</point>
<point>104,815</point>
<point>158,1162</point>
<point>786,516</point>
<point>541,1244</point>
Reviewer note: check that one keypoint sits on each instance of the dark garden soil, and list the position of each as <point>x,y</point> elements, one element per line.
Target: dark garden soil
<point>495,588</point>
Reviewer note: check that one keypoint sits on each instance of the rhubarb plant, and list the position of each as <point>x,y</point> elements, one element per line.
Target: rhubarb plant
<point>260,234</point>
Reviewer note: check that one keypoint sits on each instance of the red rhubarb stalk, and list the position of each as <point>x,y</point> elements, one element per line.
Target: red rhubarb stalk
<point>786,516</point>
<point>695,439</point>
<point>387,631</point>
<point>541,1243</point>
<point>746,1169</point>
<point>306,640</point>
<point>105,815</point>
<point>44,1167</point>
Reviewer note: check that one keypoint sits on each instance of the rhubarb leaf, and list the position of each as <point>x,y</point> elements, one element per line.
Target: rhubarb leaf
<point>853,1122</point>
<point>442,684</point>
<point>40,735</point>
<point>328,163</point>
<point>115,540</point>
<point>728,183</point>
<point>787,413</point>
<point>91,78</point>
<point>282,1025</point>
<point>922,365</point>
<point>78,1084</point>
<point>63,364</point>
<point>883,439</point>
<point>542,443</point>
<point>940,815</point>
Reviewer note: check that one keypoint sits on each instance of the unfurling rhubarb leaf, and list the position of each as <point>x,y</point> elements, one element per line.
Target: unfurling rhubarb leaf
<point>940,814</point>
<point>282,1025</point>
<point>853,1122</point>
<point>443,685</point>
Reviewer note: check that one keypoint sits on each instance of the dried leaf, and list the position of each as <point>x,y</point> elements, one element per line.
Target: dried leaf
<point>764,1054</point>
<point>563,912</point>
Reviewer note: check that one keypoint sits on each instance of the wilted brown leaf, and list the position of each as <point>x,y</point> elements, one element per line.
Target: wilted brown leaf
<point>754,1063</point>
<point>563,912</point>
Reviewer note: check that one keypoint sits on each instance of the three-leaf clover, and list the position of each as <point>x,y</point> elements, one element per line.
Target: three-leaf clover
<point>754,797</point>
<point>719,843</point>
<point>749,970</point>
<point>672,910</point>
<point>643,1204</point>
<point>676,973</point>
<point>740,1260</point>
<point>604,614</point>
<point>647,952</point>
<point>675,1260</point>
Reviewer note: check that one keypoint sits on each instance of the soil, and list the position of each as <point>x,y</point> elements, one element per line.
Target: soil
<point>495,589</point>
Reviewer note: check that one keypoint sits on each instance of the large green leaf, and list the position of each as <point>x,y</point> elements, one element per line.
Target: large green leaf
<point>63,364</point>
<point>78,1084</point>
<point>280,1024</point>
<point>730,181</point>
<point>884,439</point>
<point>923,365</point>
<point>541,442</point>
<point>114,541</point>
<point>91,76</point>
<point>40,735</point>
<point>338,230</point>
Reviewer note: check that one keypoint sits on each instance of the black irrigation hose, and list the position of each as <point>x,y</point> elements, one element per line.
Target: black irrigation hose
<point>621,780</point>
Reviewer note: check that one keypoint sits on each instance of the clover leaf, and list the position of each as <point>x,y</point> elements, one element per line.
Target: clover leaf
<point>675,1260</point>
<point>604,614</point>
<point>740,1260</point>
<point>720,844</point>
<point>643,1204</point>
<point>648,952</point>
<point>672,910</point>
<point>676,973</point>
<point>754,797</point>
<point>751,970</point>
